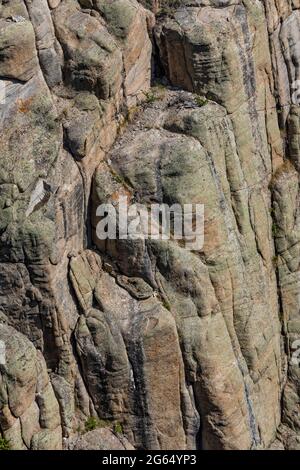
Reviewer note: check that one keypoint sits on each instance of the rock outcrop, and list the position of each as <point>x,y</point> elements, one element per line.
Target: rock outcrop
<point>142,343</point>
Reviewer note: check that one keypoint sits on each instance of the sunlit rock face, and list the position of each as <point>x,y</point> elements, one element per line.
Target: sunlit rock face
<point>143,343</point>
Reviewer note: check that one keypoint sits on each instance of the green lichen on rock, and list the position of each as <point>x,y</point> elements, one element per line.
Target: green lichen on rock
<point>119,15</point>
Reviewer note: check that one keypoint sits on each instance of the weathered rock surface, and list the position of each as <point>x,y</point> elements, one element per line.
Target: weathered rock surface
<point>176,153</point>
<point>102,439</point>
<point>178,349</point>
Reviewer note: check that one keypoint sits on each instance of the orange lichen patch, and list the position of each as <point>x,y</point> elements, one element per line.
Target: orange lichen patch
<point>121,193</point>
<point>24,105</point>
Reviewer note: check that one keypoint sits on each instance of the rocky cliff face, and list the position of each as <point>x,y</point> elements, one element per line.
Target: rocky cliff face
<point>155,346</point>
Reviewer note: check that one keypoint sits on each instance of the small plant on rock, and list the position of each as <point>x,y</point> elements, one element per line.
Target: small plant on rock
<point>90,424</point>
<point>166,304</point>
<point>4,444</point>
<point>201,100</point>
<point>150,97</point>
<point>93,423</point>
<point>118,428</point>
